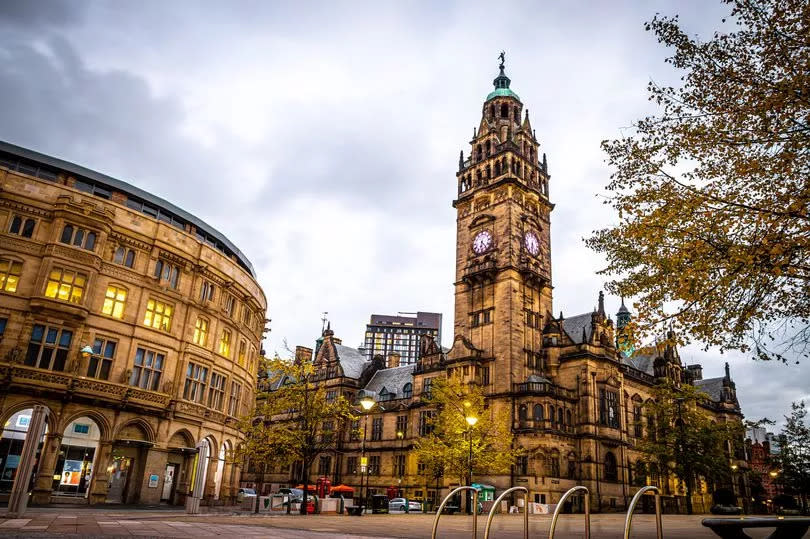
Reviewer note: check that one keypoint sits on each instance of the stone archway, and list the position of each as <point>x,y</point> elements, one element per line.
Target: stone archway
<point>179,468</point>
<point>23,446</point>
<point>78,458</point>
<point>130,473</point>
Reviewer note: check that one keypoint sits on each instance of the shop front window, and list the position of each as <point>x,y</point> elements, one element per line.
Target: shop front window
<point>11,444</point>
<point>74,466</point>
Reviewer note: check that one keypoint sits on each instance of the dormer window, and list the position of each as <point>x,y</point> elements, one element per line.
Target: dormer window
<point>407,390</point>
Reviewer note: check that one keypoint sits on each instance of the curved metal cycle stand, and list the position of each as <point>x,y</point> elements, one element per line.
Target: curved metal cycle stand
<point>525,511</point>
<point>659,530</point>
<point>560,506</point>
<point>474,513</point>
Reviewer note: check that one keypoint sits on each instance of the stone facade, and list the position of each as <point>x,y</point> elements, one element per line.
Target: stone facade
<point>135,324</point>
<point>575,400</point>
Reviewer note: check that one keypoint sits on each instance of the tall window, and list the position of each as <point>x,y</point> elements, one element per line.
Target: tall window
<point>331,395</point>
<point>196,380</point>
<point>407,390</point>
<point>228,304</point>
<point>124,256</point>
<point>611,468</point>
<point>66,285</point>
<point>48,347</point>
<point>22,228</point>
<point>425,422</point>
<point>147,369</point>
<point>554,464</point>
<point>78,237</point>
<point>10,271</point>
<point>235,397</point>
<point>609,408</point>
<point>426,386</point>
<point>351,465</point>
<point>207,291</point>
<point>201,332</point>
<point>402,425</point>
<point>225,343</point>
<point>114,301</point>
<point>158,315</point>
<point>399,465</point>
<point>242,353</point>
<point>522,465</point>
<point>485,376</point>
<point>538,412</point>
<point>523,413</point>
<point>245,315</point>
<point>376,429</point>
<point>101,361</point>
<point>324,465</point>
<point>167,273</point>
<point>374,465</point>
<point>216,391</point>
<point>637,426</point>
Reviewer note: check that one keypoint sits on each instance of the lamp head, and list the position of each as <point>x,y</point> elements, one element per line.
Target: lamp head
<point>773,473</point>
<point>471,420</point>
<point>367,403</point>
<point>734,467</point>
<point>86,351</point>
<point>400,434</point>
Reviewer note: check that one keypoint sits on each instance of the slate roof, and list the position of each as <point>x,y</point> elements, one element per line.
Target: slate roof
<point>641,362</point>
<point>711,386</point>
<point>393,380</point>
<point>574,324</point>
<point>352,361</point>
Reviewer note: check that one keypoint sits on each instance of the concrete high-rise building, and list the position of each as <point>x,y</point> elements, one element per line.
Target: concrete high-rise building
<point>391,336</point>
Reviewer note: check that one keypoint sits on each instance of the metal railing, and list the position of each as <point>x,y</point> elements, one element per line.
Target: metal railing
<point>659,531</point>
<point>474,512</point>
<point>525,511</point>
<point>560,506</point>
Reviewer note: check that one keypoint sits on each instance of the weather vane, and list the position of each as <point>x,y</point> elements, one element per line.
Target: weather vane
<point>502,58</point>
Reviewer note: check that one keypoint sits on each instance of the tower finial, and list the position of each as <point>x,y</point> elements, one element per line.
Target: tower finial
<point>502,58</point>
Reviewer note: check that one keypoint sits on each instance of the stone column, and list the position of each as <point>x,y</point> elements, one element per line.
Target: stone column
<point>18,500</point>
<point>225,486</point>
<point>210,480</point>
<point>193,501</point>
<point>47,464</point>
<point>101,474</point>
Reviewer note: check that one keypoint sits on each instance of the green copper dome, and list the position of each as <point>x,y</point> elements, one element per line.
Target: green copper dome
<point>501,83</point>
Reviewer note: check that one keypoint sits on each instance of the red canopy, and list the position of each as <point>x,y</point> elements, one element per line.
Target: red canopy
<point>309,487</point>
<point>342,488</point>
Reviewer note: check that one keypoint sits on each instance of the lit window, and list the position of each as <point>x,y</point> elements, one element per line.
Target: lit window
<point>216,391</point>
<point>225,343</point>
<point>10,272</point>
<point>167,273</point>
<point>48,347</point>
<point>101,360</point>
<point>147,369</point>
<point>158,315</point>
<point>242,353</point>
<point>66,285</point>
<point>201,332</point>
<point>196,380</point>
<point>78,237</point>
<point>114,301</point>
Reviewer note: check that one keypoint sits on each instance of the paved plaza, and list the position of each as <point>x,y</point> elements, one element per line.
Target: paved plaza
<point>88,522</point>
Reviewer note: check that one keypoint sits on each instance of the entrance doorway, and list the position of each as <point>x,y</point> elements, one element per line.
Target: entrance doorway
<point>11,443</point>
<point>168,482</point>
<point>74,466</point>
<point>119,477</point>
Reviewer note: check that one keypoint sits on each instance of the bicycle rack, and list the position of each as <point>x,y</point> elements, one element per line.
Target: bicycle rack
<point>525,511</point>
<point>560,506</point>
<point>659,530</point>
<point>474,512</point>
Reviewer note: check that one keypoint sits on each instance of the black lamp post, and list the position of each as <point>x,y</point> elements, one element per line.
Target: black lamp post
<point>471,421</point>
<point>367,403</point>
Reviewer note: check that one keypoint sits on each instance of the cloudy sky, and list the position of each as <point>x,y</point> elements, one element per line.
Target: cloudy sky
<point>323,138</point>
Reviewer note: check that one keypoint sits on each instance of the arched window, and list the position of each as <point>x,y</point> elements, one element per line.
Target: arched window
<point>16,223</point>
<point>551,414</point>
<point>90,243</point>
<point>523,413</point>
<point>489,148</point>
<point>385,395</point>
<point>130,259</point>
<point>28,228</point>
<point>560,416</point>
<point>478,152</point>
<point>554,464</point>
<point>538,412</point>
<point>568,418</point>
<point>67,234</point>
<point>611,468</point>
<point>407,390</point>
<point>497,168</point>
<point>489,171</point>
<point>504,111</point>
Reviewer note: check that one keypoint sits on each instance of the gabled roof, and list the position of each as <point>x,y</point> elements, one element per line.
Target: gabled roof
<point>393,380</point>
<point>711,386</point>
<point>351,360</point>
<point>573,327</point>
<point>641,362</point>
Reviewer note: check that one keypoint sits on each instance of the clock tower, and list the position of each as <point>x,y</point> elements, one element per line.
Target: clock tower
<point>503,259</point>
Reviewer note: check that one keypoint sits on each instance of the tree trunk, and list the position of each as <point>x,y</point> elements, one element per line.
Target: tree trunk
<point>305,482</point>
<point>688,496</point>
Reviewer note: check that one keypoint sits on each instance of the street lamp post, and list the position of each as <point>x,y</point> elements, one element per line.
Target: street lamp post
<point>471,421</point>
<point>367,403</point>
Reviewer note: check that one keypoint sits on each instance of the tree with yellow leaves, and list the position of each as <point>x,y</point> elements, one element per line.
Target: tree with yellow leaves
<point>713,192</point>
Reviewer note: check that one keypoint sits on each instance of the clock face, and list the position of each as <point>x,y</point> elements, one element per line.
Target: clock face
<point>532,243</point>
<point>482,242</point>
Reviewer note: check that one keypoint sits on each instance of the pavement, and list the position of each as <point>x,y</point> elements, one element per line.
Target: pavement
<point>92,522</point>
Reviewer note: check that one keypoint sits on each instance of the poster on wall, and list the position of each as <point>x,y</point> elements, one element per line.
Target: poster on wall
<point>71,472</point>
<point>153,481</point>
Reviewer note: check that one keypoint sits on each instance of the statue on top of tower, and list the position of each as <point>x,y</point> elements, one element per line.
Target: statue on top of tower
<point>502,58</point>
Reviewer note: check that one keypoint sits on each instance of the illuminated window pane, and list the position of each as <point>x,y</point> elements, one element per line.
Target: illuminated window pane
<point>65,285</point>
<point>10,272</point>
<point>114,301</point>
<point>158,315</point>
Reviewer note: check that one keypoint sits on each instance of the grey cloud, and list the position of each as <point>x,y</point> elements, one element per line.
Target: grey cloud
<point>30,14</point>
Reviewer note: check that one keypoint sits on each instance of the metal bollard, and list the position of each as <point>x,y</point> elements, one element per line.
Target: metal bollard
<point>659,529</point>
<point>525,511</point>
<point>474,513</point>
<point>559,509</point>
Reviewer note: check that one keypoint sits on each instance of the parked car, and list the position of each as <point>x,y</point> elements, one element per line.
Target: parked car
<point>398,504</point>
<point>243,493</point>
<point>296,495</point>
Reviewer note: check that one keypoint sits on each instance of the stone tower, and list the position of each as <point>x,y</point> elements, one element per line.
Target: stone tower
<point>503,258</point>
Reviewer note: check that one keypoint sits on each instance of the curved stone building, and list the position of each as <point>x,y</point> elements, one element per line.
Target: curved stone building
<point>131,327</point>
